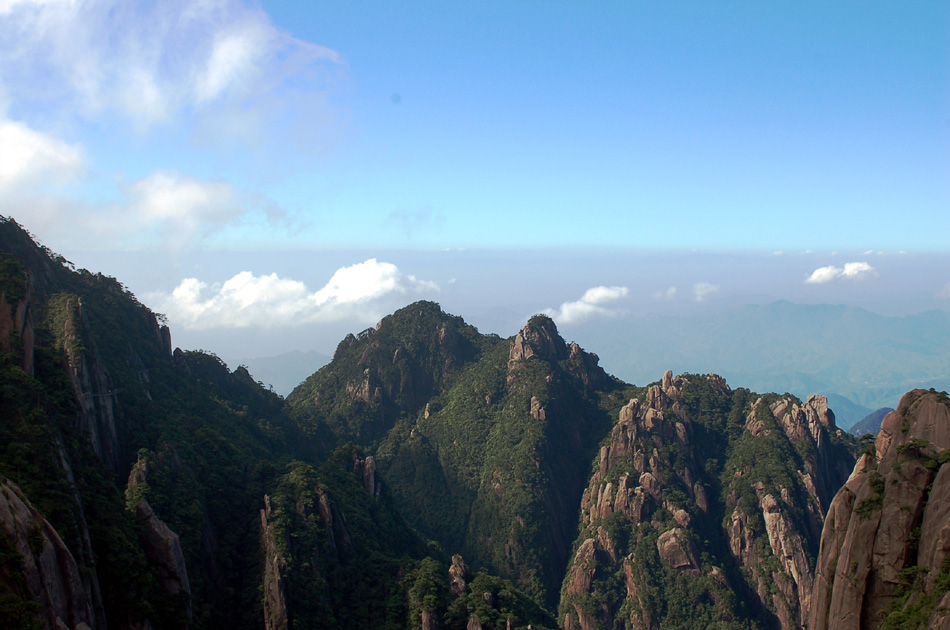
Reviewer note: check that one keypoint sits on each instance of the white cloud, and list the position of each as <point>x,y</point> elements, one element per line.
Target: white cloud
<point>148,61</point>
<point>7,6</point>
<point>850,271</point>
<point>668,294</point>
<point>590,305</point>
<point>164,209</point>
<point>824,274</point>
<point>701,290</point>
<point>29,157</point>
<point>183,207</point>
<point>362,292</point>
<point>944,292</point>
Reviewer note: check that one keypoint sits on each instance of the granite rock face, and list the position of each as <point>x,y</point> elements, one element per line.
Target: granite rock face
<point>887,534</point>
<point>274,598</point>
<point>161,545</point>
<point>16,324</point>
<point>689,450</point>
<point>789,514</point>
<point>51,576</point>
<point>538,339</point>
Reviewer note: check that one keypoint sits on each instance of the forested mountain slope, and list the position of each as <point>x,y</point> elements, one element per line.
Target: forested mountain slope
<point>428,477</point>
<point>149,488</point>
<point>491,458</point>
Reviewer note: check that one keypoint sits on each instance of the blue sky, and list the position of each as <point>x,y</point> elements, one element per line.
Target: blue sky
<point>164,142</point>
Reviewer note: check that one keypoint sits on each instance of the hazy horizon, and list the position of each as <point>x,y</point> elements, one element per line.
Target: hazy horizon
<point>275,175</point>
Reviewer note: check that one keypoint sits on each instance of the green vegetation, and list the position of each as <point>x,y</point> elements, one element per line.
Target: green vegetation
<point>913,606</point>
<point>351,561</point>
<point>476,454</point>
<point>729,443</point>
<point>873,502</point>
<point>17,610</point>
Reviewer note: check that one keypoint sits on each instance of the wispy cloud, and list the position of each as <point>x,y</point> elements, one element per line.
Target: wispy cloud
<point>702,290</point>
<point>164,209</point>
<point>362,292</point>
<point>29,158</point>
<point>850,271</point>
<point>146,61</point>
<point>668,294</point>
<point>944,292</point>
<point>218,73</point>
<point>591,304</point>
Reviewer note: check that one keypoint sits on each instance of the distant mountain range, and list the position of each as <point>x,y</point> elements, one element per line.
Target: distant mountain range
<point>803,349</point>
<point>871,423</point>
<point>283,372</point>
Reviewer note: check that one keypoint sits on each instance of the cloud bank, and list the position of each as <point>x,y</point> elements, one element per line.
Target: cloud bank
<point>850,271</point>
<point>363,292</point>
<point>591,304</point>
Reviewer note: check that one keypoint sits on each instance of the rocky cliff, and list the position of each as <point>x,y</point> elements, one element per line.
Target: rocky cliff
<point>704,507</point>
<point>161,545</point>
<point>87,381</point>
<point>783,502</point>
<point>884,547</point>
<point>17,331</point>
<point>39,567</point>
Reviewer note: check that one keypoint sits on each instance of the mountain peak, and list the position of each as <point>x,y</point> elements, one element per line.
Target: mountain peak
<point>539,338</point>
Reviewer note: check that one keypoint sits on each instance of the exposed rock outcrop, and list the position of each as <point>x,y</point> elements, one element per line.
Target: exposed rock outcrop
<point>458,576</point>
<point>51,576</point>
<point>538,339</point>
<point>887,535</point>
<point>365,469</point>
<point>161,545</point>
<point>761,463</point>
<point>163,550</point>
<point>94,391</point>
<point>16,323</point>
<point>632,484</point>
<point>274,600</point>
<point>790,513</point>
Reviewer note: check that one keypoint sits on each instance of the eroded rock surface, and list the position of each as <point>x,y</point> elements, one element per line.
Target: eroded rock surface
<point>688,449</point>
<point>50,573</point>
<point>887,533</point>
